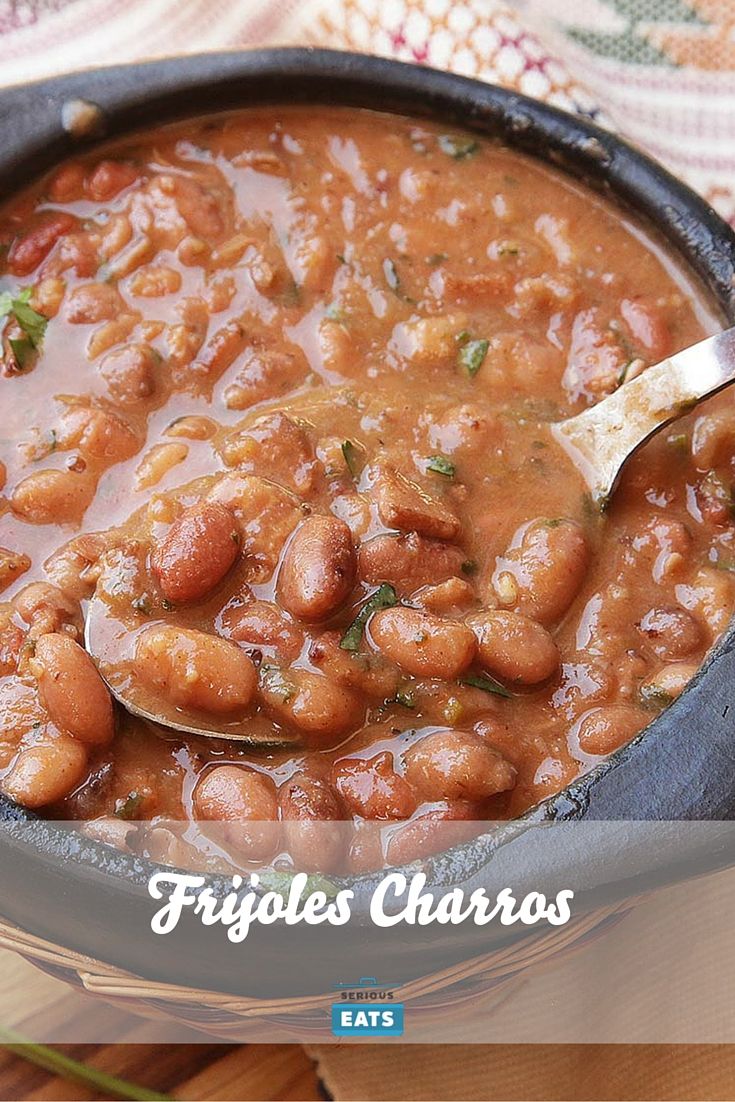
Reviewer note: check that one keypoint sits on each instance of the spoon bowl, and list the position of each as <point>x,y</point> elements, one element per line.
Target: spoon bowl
<point>102,636</point>
<point>601,439</point>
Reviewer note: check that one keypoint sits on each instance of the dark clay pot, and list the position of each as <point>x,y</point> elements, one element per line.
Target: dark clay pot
<point>681,767</point>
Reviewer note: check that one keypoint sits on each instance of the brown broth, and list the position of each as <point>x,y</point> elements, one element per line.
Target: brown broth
<point>343,268</point>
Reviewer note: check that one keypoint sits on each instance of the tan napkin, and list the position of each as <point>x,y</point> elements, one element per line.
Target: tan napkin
<point>527,1073</point>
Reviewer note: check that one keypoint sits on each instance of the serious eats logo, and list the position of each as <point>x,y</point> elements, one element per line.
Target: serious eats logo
<point>366,1008</point>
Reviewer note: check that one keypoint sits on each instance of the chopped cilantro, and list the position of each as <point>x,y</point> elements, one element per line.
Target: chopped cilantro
<point>453,711</point>
<point>31,322</point>
<point>129,807</point>
<point>439,464</point>
<point>472,355</point>
<point>384,597</point>
<point>403,697</point>
<point>457,146</point>
<point>437,258</point>
<point>276,683</point>
<point>291,296</point>
<point>655,696</point>
<point>22,349</point>
<point>679,441</point>
<point>350,453</point>
<point>486,683</point>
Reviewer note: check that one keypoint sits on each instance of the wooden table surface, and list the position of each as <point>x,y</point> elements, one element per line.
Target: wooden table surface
<point>197,1072</point>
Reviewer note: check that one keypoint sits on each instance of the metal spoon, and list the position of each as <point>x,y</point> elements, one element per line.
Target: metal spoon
<point>103,636</point>
<point>602,438</point>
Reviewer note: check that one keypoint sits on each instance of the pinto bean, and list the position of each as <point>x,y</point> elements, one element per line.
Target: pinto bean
<point>130,373</point>
<point>422,644</point>
<point>220,352</point>
<point>192,428</point>
<point>67,183</point>
<point>92,302</point>
<point>666,544</point>
<point>452,594</point>
<point>52,497</point>
<point>647,326</point>
<point>263,624</point>
<point>45,608</point>
<point>371,787</point>
<point>111,831</point>
<point>74,568</point>
<point>318,569</point>
<point>408,562</point>
<point>265,373</point>
<point>197,552</point>
<point>428,342</point>
<point>670,632</point>
<point>266,513</point>
<point>112,332</point>
<point>108,179</point>
<point>307,795</point>
<point>195,670</point>
<point>98,433</point>
<point>46,772</point>
<point>27,252</point>
<point>317,705</point>
<point>710,597</point>
<point>12,565</point>
<point>232,795</point>
<point>157,462</point>
<point>596,357</point>
<point>603,730</point>
<point>231,792</point>
<point>403,505</point>
<point>464,430</point>
<point>513,647</point>
<point>307,802</point>
<point>713,438</point>
<point>275,446</point>
<point>199,208</point>
<point>72,690</point>
<point>155,281</point>
<point>447,824</point>
<point>543,573</point>
<point>714,500</point>
<point>457,765</point>
<point>669,682</point>
<point>48,296</point>
<point>369,674</point>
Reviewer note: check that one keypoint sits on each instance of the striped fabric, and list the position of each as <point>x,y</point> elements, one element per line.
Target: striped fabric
<point>660,71</point>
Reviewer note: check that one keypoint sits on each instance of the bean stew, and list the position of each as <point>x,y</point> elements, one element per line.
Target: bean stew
<point>277,388</point>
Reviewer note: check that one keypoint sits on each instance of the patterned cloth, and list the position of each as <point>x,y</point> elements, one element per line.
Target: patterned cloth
<point>660,71</point>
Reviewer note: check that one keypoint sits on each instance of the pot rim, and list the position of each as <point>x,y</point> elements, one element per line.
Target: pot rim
<point>136,95</point>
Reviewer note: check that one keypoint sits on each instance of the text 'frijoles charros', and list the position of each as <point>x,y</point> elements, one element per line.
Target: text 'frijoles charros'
<point>396,899</point>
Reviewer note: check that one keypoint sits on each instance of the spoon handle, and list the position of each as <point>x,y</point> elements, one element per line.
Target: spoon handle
<point>603,437</point>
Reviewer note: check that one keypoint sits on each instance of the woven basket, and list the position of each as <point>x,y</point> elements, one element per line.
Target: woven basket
<point>224,1015</point>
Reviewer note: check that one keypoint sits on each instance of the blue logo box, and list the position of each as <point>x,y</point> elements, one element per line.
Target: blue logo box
<point>354,1019</point>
